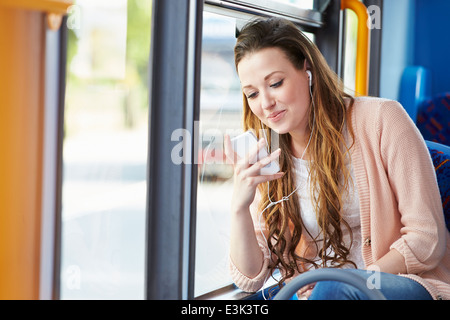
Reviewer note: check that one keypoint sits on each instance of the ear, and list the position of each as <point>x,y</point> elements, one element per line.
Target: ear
<point>306,65</point>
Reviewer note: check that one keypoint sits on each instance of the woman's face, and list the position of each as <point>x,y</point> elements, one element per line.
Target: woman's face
<point>277,92</point>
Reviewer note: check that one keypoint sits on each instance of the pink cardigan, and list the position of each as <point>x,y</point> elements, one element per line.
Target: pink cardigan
<point>400,204</point>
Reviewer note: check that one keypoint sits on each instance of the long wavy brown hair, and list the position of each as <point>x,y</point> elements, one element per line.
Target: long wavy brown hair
<point>328,152</point>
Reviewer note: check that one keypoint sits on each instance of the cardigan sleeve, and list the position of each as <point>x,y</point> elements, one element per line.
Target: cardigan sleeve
<point>413,181</point>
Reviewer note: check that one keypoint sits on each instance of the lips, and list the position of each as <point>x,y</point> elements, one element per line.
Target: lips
<point>275,116</point>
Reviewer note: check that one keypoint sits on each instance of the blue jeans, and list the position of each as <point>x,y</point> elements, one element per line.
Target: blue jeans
<point>392,286</point>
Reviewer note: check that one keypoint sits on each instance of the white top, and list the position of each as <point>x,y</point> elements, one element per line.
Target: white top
<point>351,212</point>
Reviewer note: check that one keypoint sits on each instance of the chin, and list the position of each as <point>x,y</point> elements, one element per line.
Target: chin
<point>279,130</point>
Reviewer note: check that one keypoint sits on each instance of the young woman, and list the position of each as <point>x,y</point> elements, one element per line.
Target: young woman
<point>357,188</point>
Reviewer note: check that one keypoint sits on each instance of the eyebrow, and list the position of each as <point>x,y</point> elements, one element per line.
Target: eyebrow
<point>265,78</point>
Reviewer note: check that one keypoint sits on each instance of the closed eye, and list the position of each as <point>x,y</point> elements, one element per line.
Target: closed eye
<point>252,95</point>
<point>277,84</point>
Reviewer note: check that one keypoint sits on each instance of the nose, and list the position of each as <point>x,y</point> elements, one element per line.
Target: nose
<point>267,100</point>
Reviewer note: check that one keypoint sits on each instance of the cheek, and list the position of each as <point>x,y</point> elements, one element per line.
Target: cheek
<point>299,95</point>
<point>301,100</point>
<point>255,109</point>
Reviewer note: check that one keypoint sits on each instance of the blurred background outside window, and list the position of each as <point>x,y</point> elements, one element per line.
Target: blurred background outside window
<point>105,150</point>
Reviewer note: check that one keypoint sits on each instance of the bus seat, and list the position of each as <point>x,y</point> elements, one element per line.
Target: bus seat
<point>433,119</point>
<point>440,154</point>
<point>415,87</point>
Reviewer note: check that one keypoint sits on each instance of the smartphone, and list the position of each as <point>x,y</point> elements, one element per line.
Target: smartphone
<point>243,143</point>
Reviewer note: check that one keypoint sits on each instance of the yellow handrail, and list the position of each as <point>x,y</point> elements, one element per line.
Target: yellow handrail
<point>53,6</point>
<point>54,9</point>
<point>362,46</point>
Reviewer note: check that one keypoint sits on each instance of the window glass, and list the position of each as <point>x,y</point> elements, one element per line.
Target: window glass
<point>105,150</point>
<point>351,35</point>
<point>220,112</point>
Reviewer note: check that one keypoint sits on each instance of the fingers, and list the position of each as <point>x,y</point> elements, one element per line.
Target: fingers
<point>250,166</point>
<point>306,291</point>
<point>265,178</point>
<point>252,155</point>
<point>255,169</point>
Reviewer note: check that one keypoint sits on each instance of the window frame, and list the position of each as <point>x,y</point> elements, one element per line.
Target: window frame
<point>51,224</point>
<point>304,17</point>
<point>174,104</point>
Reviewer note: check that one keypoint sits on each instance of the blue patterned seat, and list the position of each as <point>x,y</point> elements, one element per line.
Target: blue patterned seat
<point>441,161</point>
<point>433,119</point>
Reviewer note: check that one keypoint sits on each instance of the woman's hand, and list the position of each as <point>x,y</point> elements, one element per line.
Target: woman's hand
<point>247,173</point>
<point>305,292</point>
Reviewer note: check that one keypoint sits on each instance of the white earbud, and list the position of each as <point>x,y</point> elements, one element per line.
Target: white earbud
<point>309,77</point>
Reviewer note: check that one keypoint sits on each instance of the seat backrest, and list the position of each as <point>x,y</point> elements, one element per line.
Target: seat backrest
<point>441,161</point>
<point>433,119</point>
<point>415,87</point>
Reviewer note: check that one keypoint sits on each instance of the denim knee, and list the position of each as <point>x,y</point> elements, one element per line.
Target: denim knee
<point>333,290</point>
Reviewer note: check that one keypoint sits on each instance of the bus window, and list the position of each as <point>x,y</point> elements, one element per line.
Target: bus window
<point>220,113</point>
<point>105,151</point>
<point>350,38</point>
